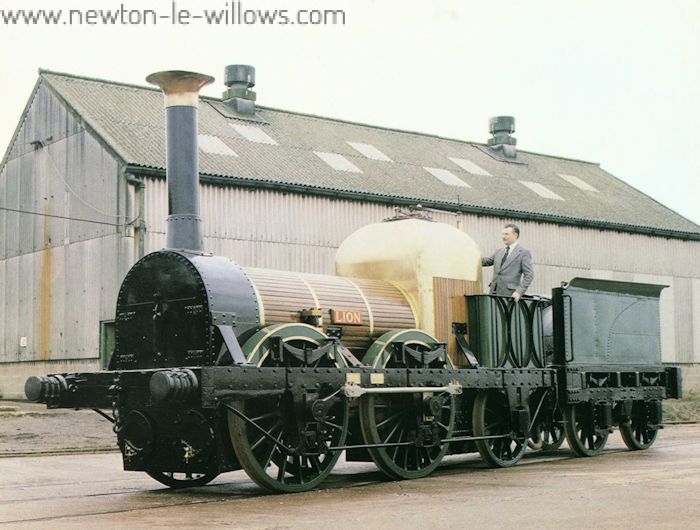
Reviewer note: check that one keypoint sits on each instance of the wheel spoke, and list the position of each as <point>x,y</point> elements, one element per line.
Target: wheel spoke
<point>270,450</point>
<point>281,470</point>
<point>394,420</point>
<point>590,441</point>
<point>492,416</point>
<point>581,433</point>
<point>637,433</point>
<point>391,418</point>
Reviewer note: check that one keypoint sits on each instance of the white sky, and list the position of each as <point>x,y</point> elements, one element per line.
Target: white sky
<point>614,82</point>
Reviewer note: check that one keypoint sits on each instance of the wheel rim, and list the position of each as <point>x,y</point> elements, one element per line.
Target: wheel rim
<point>281,451</point>
<point>257,349</point>
<point>276,454</point>
<point>381,353</point>
<point>546,437</point>
<point>492,417</point>
<point>583,438</point>
<point>549,437</point>
<point>418,421</point>
<point>547,434</point>
<point>177,480</point>
<point>636,433</point>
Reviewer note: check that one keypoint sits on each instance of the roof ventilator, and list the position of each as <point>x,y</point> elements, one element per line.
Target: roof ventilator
<point>240,78</point>
<point>501,127</point>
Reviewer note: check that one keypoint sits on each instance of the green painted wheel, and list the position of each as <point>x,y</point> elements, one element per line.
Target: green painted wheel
<point>637,433</point>
<point>276,451</point>
<point>492,417</point>
<point>381,353</point>
<point>257,348</point>
<point>413,425</point>
<point>547,433</point>
<point>281,447</point>
<point>581,435</point>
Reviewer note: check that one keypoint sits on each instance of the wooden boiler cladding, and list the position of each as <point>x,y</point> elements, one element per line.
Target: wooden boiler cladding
<point>364,309</point>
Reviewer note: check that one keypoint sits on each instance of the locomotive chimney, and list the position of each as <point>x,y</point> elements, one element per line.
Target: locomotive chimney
<point>181,91</point>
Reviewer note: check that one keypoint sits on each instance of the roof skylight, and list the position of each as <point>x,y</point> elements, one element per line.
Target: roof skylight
<point>369,151</point>
<point>214,145</point>
<point>252,133</point>
<point>338,162</point>
<point>470,166</point>
<point>572,179</point>
<point>446,176</point>
<point>541,190</point>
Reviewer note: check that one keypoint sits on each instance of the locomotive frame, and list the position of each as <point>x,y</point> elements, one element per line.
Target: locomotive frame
<point>198,385</point>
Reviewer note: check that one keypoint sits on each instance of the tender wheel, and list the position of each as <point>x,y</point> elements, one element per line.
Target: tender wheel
<point>492,417</point>
<point>415,423</point>
<point>283,444</point>
<point>278,452</point>
<point>581,434</point>
<point>547,434</point>
<point>637,433</point>
<point>182,480</point>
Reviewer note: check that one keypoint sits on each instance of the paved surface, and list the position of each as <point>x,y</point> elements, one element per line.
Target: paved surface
<point>658,488</point>
<point>30,428</point>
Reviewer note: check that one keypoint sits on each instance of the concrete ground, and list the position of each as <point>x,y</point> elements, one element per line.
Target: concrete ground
<point>30,428</point>
<point>53,486</point>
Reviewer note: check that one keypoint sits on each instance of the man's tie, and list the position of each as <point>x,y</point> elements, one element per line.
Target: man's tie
<point>505,256</point>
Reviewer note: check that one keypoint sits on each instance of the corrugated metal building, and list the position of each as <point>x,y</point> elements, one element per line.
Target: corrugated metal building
<point>82,196</point>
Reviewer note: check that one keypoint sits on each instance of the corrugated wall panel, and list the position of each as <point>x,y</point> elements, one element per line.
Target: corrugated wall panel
<point>684,325</point>
<point>76,289</point>
<point>59,277</point>
<point>58,302</point>
<point>69,175</point>
<point>695,318</point>
<point>3,213</point>
<point>98,264</point>
<point>26,306</point>
<point>56,298</point>
<point>10,343</point>
<point>11,178</point>
<point>28,168</point>
<point>3,302</point>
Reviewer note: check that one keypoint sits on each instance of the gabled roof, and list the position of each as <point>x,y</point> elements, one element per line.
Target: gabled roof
<point>301,153</point>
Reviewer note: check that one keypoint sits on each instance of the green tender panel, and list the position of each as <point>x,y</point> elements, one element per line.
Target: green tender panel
<point>611,323</point>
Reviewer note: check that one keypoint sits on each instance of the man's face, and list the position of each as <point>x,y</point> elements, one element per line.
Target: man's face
<point>508,236</point>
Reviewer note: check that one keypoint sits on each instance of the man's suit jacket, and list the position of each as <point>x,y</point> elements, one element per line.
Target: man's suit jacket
<point>516,274</point>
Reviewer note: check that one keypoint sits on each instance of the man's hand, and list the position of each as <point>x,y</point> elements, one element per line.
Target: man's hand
<point>516,296</point>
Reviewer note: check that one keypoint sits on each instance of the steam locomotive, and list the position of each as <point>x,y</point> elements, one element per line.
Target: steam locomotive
<point>398,359</point>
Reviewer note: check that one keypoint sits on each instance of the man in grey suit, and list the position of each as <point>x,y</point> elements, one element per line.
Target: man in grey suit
<point>512,266</point>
